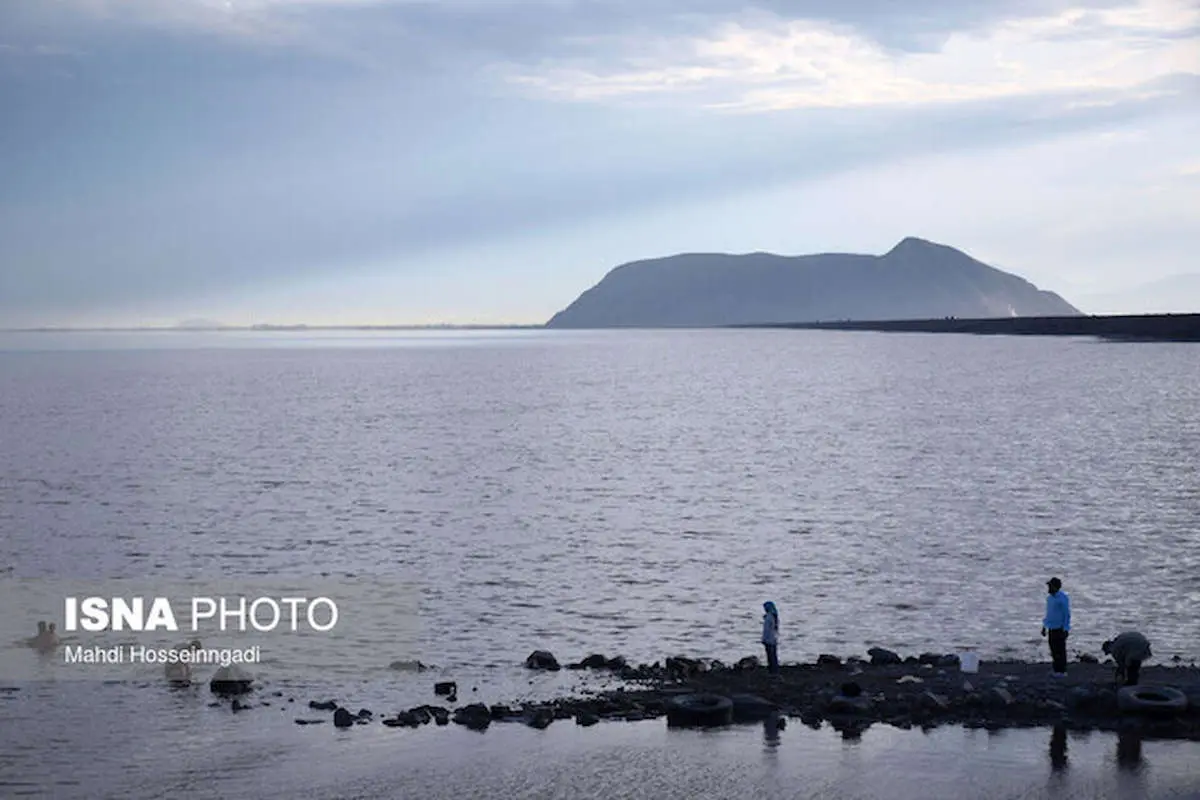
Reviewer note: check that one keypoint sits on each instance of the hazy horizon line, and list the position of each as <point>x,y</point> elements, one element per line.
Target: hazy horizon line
<point>270,327</point>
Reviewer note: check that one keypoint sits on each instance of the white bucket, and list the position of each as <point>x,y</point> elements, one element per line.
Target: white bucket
<point>968,662</point>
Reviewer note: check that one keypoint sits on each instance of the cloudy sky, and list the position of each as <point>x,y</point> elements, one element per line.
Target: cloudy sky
<point>397,161</point>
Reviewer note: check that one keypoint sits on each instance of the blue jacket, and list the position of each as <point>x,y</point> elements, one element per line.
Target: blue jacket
<point>770,633</point>
<point>1058,611</point>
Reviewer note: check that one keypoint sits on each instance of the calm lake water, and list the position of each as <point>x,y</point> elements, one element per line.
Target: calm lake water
<point>624,492</point>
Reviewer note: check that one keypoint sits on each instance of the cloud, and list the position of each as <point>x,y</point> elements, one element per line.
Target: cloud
<point>767,63</point>
<point>308,207</point>
<point>165,149</point>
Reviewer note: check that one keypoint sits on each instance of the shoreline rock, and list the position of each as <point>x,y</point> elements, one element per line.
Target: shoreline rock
<point>542,660</point>
<point>231,680</point>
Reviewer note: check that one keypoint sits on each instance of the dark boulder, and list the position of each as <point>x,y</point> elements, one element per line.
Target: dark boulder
<point>343,718</point>
<point>851,689</point>
<point>746,664</point>
<point>882,658</point>
<point>444,688</point>
<point>540,718</point>
<point>619,664</point>
<point>231,680</point>
<point>419,716</point>
<point>586,719</point>
<point>680,667</point>
<point>327,705</point>
<point>542,660</point>
<point>828,660</point>
<point>405,719</point>
<point>594,661</point>
<point>476,716</point>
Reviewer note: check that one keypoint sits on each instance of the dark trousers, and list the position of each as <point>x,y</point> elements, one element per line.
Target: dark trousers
<point>1058,649</point>
<point>772,657</point>
<point>1129,673</point>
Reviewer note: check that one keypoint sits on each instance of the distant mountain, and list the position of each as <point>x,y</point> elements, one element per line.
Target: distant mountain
<point>1178,294</point>
<point>916,279</point>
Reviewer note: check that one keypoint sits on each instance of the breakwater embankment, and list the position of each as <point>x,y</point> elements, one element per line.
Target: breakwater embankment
<point>1140,327</point>
<point>849,695</point>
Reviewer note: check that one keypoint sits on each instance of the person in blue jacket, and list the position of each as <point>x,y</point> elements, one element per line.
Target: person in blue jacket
<point>1056,625</point>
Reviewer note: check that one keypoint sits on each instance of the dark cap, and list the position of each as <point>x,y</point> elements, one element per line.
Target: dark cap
<point>1054,582</point>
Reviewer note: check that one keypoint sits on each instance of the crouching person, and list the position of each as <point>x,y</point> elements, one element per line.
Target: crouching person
<point>1128,651</point>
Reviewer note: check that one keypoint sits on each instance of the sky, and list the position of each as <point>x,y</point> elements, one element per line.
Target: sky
<point>485,161</point>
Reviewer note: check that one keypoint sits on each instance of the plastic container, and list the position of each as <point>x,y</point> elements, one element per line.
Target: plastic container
<point>968,662</point>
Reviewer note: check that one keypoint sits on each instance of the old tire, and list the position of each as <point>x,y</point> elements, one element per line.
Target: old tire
<point>751,708</point>
<point>699,711</point>
<point>1151,700</point>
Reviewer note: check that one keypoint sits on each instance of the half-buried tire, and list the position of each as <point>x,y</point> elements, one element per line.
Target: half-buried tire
<point>699,711</point>
<point>751,708</point>
<point>1151,700</point>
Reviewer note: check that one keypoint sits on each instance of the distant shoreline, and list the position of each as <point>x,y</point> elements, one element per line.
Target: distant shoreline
<point>271,328</point>
<point>1127,327</point>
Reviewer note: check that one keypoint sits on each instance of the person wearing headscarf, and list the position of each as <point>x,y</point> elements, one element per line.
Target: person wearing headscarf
<point>770,636</point>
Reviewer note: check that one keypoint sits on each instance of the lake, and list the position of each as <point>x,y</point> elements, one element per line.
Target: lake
<point>632,492</point>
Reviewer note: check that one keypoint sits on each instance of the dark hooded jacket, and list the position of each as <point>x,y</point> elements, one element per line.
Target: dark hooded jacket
<point>1129,647</point>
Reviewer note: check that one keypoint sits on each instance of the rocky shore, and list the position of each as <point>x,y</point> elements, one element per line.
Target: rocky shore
<point>1132,327</point>
<point>850,695</point>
